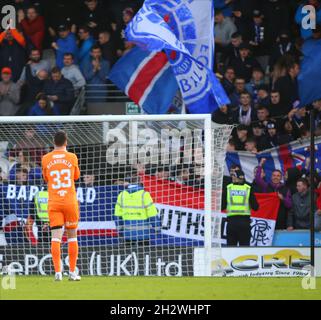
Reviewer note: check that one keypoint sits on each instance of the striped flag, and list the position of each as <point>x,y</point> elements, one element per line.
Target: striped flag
<point>281,158</point>
<point>147,78</point>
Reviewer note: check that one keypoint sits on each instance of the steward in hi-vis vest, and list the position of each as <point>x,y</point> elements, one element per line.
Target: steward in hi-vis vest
<point>42,217</point>
<point>238,200</point>
<point>136,213</point>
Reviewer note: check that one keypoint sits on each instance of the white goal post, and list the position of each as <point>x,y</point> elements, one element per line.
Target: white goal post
<point>178,159</point>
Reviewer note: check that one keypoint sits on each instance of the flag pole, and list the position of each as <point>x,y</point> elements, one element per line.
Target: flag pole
<point>312,186</point>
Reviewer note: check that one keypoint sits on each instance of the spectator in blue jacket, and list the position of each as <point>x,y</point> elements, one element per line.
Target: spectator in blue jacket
<point>95,71</point>
<point>60,91</point>
<point>300,15</point>
<point>67,43</point>
<point>44,107</point>
<point>87,42</point>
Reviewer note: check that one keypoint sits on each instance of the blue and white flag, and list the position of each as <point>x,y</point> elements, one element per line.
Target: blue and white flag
<point>184,30</point>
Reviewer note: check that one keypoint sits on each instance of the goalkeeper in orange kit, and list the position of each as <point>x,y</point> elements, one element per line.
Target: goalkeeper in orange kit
<point>60,170</point>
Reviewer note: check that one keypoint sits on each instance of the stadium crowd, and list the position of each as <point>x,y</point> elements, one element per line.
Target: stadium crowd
<point>60,46</point>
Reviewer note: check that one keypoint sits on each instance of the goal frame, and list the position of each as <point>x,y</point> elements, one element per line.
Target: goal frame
<point>208,145</point>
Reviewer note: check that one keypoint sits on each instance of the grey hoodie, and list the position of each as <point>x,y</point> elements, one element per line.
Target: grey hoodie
<point>10,99</point>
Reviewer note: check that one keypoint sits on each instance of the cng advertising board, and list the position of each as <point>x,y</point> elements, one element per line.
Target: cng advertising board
<point>262,262</point>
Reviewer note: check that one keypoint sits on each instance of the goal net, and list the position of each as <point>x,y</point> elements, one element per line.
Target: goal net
<point>176,160</point>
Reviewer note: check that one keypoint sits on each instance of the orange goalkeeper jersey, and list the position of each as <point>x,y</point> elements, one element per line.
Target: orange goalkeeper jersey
<point>60,170</point>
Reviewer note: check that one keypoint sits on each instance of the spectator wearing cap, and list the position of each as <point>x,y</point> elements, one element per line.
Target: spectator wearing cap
<point>273,138</point>
<point>276,185</point>
<point>238,199</point>
<point>256,81</point>
<point>60,91</point>
<point>222,116</point>
<point>224,29</point>
<point>288,87</point>
<point>95,71</point>
<point>72,72</point>
<point>244,64</point>
<point>13,52</point>
<point>66,43</point>
<point>236,94</point>
<point>33,26</point>
<point>241,137</point>
<point>245,114</point>
<point>259,39</point>
<point>9,94</point>
<point>300,15</point>
<point>87,42</point>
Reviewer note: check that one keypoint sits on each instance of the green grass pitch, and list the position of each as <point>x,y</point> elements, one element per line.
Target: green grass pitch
<point>150,288</point>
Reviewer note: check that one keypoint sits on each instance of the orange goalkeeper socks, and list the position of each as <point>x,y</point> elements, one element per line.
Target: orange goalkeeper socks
<point>73,253</point>
<point>55,252</point>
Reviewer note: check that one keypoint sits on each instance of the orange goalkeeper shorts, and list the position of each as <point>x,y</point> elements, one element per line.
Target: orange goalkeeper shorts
<point>64,214</point>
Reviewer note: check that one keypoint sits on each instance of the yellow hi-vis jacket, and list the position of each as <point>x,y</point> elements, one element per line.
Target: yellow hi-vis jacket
<point>135,206</point>
<point>238,197</point>
<point>41,204</point>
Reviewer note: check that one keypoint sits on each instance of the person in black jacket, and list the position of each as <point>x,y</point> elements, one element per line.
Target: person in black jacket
<point>260,39</point>
<point>13,53</point>
<point>244,64</point>
<point>60,91</point>
<point>108,47</point>
<point>288,87</point>
<point>95,17</point>
<point>283,46</point>
<point>232,51</point>
<point>228,80</point>
<point>222,116</point>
